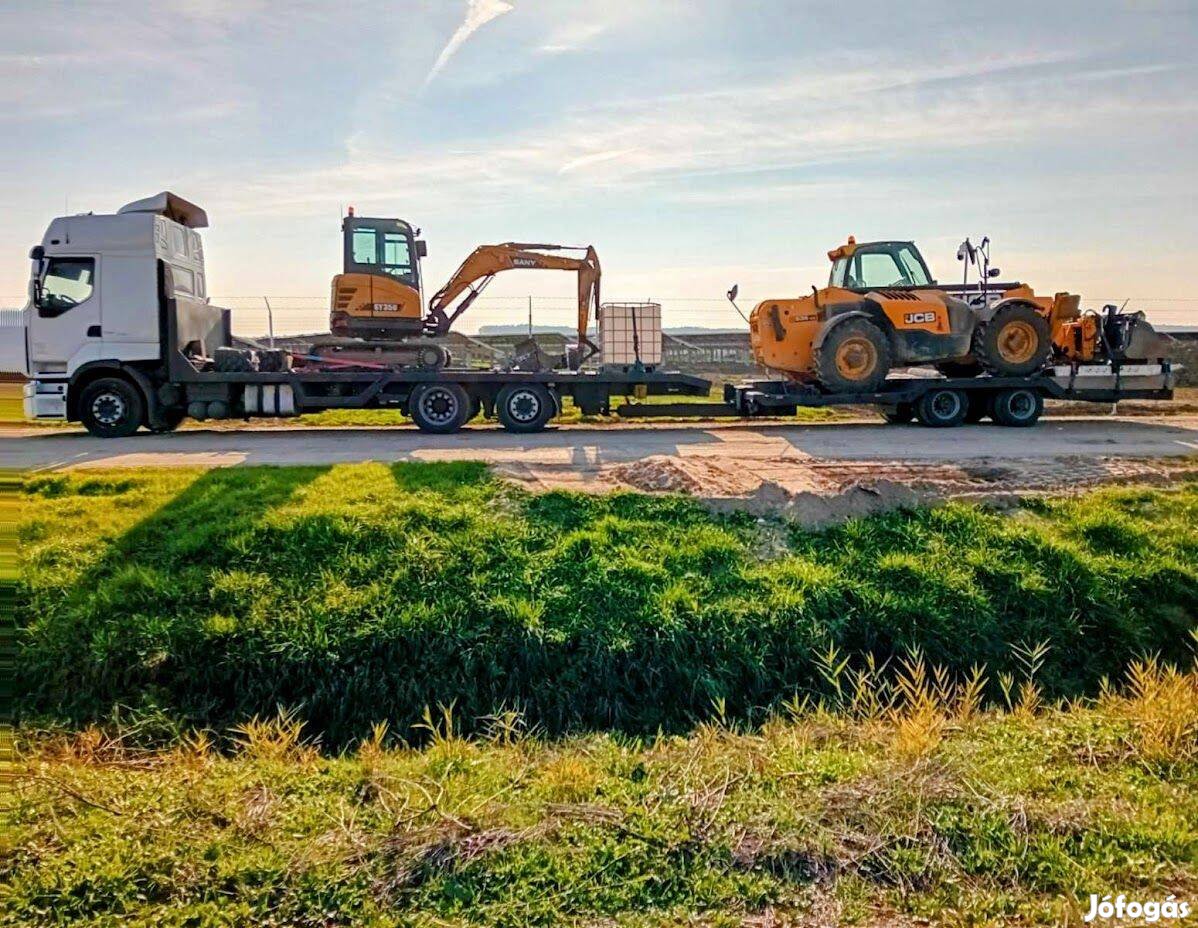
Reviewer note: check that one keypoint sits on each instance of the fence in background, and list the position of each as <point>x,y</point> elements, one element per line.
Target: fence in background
<point>296,315</point>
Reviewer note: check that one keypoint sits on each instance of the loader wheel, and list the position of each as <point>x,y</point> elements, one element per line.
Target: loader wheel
<point>854,358</point>
<point>112,407</point>
<point>439,408</point>
<point>1019,407</point>
<point>525,407</point>
<point>1014,343</point>
<point>942,409</point>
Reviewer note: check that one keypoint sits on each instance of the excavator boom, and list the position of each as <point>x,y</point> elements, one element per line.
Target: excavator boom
<point>481,266</point>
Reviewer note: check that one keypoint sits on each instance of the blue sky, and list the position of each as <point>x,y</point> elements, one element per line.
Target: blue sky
<point>695,144</point>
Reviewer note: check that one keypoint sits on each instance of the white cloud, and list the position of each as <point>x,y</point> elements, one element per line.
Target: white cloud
<point>478,14</point>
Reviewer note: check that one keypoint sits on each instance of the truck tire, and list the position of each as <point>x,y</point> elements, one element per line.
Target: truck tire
<point>900,414</point>
<point>942,408</point>
<point>1015,342</point>
<point>170,420</point>
<point>440,408</point>
<point>1019,407</point>
<point>854,357</point>
<point>233,361</point>
<point>112,407</point>
<point>273,361</point>
<point>525,407</point>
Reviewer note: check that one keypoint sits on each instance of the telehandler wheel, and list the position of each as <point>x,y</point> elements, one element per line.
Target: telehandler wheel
<point>439,408</point>
<point>112,407</point>
<point>900,414</point>
<point>942,409</point>
<point>1019,407</point>
<point>854,357</point>
<point>525,407</point>
<point>978,407</point>
<point>1014,343</point>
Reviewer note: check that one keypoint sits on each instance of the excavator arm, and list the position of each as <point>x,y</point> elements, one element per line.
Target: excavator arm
<point>481,266</point>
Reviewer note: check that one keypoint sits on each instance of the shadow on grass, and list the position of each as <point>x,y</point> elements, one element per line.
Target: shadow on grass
<point>388,590</point>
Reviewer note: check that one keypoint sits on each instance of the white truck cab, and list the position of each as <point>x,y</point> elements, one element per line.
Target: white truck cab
<point>95,293</point>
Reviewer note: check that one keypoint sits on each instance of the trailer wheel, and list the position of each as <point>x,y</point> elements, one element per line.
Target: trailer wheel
<point>525,407</point>
<point>942,409</point>
<point>112,407</point>
<point>978,407</point>
<point>900,414</point>
<point>440,408</point>
<point>1019,407</point>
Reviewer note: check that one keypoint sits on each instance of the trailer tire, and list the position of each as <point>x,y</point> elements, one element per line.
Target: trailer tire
<point>900,414</point>
<point>978,407</point>
<point>1017,408</point>
<point>112,407</point>
<point>440,408</point>
<point>942,409</point>
<point>525,407</point>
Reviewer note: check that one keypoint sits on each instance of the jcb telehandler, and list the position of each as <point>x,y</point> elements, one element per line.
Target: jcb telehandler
<point>376,300</point>
<point>882,310</point>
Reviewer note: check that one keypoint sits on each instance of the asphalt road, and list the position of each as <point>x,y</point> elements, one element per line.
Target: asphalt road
<point>573,455</point>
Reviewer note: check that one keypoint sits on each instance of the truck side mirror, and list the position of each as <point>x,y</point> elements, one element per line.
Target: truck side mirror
<point>421,248</point>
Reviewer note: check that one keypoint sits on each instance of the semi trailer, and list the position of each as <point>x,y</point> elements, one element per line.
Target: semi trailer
<point>119,334</point>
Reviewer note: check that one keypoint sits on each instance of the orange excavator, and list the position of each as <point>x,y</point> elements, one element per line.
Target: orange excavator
<point>377,304</point>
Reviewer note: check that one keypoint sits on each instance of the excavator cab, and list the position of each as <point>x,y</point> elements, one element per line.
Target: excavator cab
<point>377,295</point>
<point>382,246</point>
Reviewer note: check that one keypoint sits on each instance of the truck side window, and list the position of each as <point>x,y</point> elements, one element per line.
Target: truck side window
<point>67,282</point>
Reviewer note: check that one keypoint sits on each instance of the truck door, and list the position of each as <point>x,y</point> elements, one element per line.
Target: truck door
<point>66,318</point>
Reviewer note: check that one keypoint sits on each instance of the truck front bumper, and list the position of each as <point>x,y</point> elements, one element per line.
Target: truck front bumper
<point>45,400</point>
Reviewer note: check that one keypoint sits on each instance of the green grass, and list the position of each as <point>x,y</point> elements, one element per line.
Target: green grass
<point>364,592</point>
<point>1008,818</point>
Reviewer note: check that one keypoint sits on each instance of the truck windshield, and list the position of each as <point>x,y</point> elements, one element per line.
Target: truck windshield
<point>67,283</point>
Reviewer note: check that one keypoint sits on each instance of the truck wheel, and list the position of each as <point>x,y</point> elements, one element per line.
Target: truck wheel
<point>440,408</point>
<point>942,409</point>
<point>1019,407</point>
<point>900,415</point>
<point>525,407</point>
<point>112,408</point>
<point>978,407</point>
<point>1014,343</point>
<point>853,358</point>
<point>170,420</point>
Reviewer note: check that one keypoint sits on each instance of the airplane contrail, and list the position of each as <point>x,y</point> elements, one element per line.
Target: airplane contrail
<point>478,14</point>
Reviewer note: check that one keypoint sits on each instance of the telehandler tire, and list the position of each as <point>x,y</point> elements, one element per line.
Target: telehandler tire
<point>1015,342</point>
<point>942,409</point>
<point>440,408</point>
<point>1019,407</point>
<point>853,358</point>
